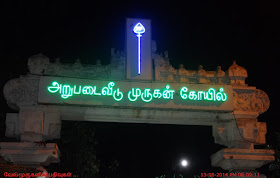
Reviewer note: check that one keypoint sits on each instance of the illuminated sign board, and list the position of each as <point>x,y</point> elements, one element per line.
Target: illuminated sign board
<point>135,94</point>
<point>146,95</point>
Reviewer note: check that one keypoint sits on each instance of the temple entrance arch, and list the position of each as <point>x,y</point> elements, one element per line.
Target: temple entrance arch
<point>139,87</point>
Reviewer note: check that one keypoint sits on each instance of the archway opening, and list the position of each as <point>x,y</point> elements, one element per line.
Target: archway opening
<point>135,150</point>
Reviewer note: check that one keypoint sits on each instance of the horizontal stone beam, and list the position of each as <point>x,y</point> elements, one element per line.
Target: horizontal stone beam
<point>138,115</point>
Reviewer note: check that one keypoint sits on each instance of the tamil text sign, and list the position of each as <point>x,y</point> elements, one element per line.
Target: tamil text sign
<point>58,90</point>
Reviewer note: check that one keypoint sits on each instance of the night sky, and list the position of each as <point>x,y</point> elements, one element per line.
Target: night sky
<point>207,33</point>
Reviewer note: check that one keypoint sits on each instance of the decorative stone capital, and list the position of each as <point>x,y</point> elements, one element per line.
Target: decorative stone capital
<point>252,101</point>
<point>22,91</point>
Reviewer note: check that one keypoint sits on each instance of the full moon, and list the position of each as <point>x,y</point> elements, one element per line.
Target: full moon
<point>184,163</point>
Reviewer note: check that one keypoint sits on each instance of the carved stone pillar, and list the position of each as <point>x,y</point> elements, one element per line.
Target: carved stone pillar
<point>241,133</point>
<point>31,122</point>
<point>33,125</point>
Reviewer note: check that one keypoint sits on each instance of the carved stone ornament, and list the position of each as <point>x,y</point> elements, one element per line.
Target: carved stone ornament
<point>258,101</point>
<point>37,64</point>
<point>21,91</point>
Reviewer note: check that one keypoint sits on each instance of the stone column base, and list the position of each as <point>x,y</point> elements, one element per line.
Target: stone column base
<point>29,153</point>
<point>242,159</point>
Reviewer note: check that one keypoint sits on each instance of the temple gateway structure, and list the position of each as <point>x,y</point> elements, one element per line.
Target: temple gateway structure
<point>138,86</point>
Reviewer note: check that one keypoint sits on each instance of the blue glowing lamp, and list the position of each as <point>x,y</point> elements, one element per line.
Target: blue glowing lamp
<point>139,29</point>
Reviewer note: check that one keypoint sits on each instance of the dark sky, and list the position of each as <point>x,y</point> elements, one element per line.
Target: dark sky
<point>209,33</point>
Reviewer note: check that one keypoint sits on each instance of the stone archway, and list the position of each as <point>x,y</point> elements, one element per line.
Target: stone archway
<point>146,90</point>
<point>41,112</point>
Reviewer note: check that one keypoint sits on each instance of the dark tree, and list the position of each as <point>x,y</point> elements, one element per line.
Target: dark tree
<point>79,152</point>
